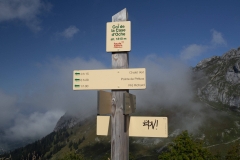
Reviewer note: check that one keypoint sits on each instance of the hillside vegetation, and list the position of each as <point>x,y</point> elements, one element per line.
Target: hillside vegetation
<point>207,127</point>
<point>83,141</point>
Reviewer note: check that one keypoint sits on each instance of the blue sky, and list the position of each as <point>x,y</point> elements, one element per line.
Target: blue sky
<point>42,41</point>
<point>34,32</point>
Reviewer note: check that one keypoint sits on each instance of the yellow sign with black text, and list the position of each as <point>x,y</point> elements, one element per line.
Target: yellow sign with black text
<point>139,126</point>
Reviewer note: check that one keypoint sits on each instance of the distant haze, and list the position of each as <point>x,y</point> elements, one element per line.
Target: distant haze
<point>41,45</point>
<point>48,96</point>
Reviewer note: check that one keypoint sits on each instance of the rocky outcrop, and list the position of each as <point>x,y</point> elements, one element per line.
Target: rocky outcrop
<point>66,121</point>
<point>222,78</point>
<point>206,62</point>
<point>231,54</point>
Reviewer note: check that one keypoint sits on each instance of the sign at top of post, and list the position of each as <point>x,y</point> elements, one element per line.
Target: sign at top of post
<point>118,36</point>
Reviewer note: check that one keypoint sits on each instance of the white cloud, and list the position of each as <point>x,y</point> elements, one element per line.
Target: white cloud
<point>192,50</point>
<point>166,79</point>
<point>69,32</point>
<point>23,10</point>
<point>169,87</point>
<point>217,38</point>
<point>55,86</point>
<point>41,107</point>
<point>35,113</point>
<point>18,125</point>
<point>8,109</point>
<point>33,126</point>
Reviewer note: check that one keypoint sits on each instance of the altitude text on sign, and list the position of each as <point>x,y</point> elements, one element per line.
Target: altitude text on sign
<point>109,79</point>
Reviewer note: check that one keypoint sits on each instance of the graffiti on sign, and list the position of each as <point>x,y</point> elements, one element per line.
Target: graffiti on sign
<point>138,126</point>
<point>150,124</point>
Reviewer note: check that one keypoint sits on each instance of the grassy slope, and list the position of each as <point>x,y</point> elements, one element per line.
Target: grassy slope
<point>220,132</point>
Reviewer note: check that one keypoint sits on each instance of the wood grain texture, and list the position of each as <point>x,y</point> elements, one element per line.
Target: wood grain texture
<point>120,16</point>
<point>104,102</point>
<point>119,121</point>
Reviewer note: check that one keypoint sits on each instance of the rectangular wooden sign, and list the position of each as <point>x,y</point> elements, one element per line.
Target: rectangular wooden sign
<point>105,103</point>
<point>139,126</point>
<point>148,127</point>
<point>134,78</point>
<point>129,103</point>
<point>118,36</point>
<point>103,129</point>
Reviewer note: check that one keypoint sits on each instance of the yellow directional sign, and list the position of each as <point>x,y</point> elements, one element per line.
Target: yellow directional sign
<point>134,78</point>
<point>139,126</point>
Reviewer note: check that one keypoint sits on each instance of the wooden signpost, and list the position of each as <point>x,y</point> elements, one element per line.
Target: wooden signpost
<point>119,103</point>
<point>119,121</point>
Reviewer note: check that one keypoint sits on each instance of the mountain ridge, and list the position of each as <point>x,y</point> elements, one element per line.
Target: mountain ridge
<point>223,79</point>
<point>215,84</point>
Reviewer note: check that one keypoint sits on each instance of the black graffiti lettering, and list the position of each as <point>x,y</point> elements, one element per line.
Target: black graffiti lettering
<point>146,123</point>
<point>150,124</point>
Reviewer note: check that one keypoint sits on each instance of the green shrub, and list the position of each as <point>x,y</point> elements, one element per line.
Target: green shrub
<point>184,147</point>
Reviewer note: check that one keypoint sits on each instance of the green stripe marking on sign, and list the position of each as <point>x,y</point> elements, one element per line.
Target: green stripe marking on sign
<point>77,73</point>
<point>77,79</point>
<point>77,85</point>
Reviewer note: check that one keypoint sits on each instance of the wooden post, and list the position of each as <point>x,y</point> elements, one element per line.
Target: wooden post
<point>119,122</point>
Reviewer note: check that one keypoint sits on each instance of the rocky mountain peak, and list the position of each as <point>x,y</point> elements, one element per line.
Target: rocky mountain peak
<point>220,79</point>
<point>204,63</point>
<point>66,121</point>
<point>233,53</point>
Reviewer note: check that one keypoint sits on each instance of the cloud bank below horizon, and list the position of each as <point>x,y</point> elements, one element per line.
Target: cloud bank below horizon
<point>35,112</point>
